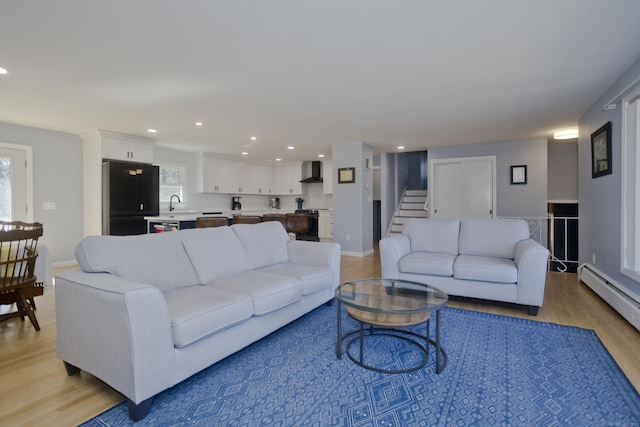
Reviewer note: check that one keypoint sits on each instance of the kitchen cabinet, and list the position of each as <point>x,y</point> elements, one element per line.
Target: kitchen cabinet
<point>327,177</point>
<point>126,147</point>
<point>287,179</point>
<point>262,179</point>
<point>212,174</point>
<point>325,224</point>
<point>239,177</point>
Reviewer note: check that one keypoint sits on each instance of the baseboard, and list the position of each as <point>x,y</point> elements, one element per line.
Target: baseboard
<point>358,254</point>
<point>70,263</point>
<point>611,292</point>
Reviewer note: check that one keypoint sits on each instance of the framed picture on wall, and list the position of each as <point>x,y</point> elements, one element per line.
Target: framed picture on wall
<point>601,151</point>
<point>346,175</point>
<point>519,174</point>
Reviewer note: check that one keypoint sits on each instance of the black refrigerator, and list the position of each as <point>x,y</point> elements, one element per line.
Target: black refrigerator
<point>130,191</point>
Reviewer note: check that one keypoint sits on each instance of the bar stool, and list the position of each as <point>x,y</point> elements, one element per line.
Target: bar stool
<point>246,219</point>
<point>211,221</point>
<point>275,217</point>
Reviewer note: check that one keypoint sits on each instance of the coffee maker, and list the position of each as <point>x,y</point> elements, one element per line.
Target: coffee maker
<point>274,203</point>
<point>235,203</point>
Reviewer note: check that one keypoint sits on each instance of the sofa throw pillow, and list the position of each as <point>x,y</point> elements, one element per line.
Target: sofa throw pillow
<point>492,237</point>
<point>433,235</point>
<point>156,259</point>
<point>216,252</point>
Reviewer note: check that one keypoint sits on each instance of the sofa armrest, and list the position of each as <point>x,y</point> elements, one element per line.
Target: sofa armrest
<point>531,259</point>
<point>117,330</point>
<point>392,249</point>
<point>316,254</point>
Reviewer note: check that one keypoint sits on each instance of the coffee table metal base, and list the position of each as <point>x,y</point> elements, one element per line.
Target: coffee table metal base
<point>360,335</point>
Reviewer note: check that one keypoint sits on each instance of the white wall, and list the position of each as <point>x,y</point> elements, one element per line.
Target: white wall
<point>57,170</point>
<point>563,171</point>
<point>600,198</point>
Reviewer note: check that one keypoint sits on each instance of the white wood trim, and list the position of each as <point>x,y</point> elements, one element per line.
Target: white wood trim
<point>28,152</point>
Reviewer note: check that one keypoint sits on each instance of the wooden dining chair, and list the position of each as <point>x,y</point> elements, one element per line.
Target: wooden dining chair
<point>211,221</point>
<point>18,253</point>
<point>297,223</point>
<point>246,219</point>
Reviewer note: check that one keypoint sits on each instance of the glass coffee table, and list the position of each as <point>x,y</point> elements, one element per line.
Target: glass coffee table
<point>385,306</point>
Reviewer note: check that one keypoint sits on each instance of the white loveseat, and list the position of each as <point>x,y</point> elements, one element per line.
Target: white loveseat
<point>491,259</point>
<point>146,312</point>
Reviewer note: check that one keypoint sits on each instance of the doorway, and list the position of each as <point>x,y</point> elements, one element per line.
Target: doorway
<point>15,182</point>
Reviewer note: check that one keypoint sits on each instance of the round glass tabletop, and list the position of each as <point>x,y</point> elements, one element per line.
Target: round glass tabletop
<point>391,296</point>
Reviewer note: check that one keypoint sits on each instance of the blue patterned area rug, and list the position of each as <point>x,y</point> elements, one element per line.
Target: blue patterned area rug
<point>501,371</point>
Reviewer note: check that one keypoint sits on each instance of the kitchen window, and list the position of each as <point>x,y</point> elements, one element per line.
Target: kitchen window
<point>172,181</point>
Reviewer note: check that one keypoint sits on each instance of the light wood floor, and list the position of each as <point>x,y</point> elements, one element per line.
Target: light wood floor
<point>36,390</point>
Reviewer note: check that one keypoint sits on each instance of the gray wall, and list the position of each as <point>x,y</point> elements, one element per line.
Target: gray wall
<point>563,171</point>
<point>353,203</point>
<point>528,200</point>
<point>57,170</point>
<point>600,198</point>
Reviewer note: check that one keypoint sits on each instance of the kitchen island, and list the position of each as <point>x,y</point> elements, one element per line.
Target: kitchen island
<point>180,220</point>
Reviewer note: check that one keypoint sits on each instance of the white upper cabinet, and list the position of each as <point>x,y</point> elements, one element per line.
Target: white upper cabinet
<point>212,174</point>
<point>239,177</point>
<point>287,179</point>
<point>262,179</point>
<point>129,148</point>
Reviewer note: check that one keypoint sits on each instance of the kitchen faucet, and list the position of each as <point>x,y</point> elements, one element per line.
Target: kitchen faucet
<point>171,208</point>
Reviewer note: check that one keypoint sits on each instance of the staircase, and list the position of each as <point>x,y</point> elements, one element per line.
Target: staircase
<point>412,206</point>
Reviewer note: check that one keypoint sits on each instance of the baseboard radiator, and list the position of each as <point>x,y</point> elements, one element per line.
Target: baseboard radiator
<point>627,305</point>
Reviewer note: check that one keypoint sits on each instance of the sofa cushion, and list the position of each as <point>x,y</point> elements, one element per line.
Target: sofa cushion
<point>312,278</point>
<point>433,235</point>
<point>216,252</point>
<point>265,243</point>
<point>427,263</point>
<point>492,237</point>
<point>485,269</point>
<point>268,291</point>
<point>157,259</point>
<point>199,311</point>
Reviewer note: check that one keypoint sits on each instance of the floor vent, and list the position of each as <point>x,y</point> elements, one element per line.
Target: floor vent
<point>612,293</point>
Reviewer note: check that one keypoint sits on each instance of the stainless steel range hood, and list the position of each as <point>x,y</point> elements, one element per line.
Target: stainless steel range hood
<point>316,176</point>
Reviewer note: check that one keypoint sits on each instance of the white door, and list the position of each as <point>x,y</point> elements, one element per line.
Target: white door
<point>463,188</point>
<point>477,189</point>
<point>13,184</point>
<point>445,190</point>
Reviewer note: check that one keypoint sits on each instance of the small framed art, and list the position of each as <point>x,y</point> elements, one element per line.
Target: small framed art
<point>346,175</point>
<point>519,174</point>
<point>601,151</point>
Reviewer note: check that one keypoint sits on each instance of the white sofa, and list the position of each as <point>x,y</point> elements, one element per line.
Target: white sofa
<point>146,312</point>
<point>491,259</point>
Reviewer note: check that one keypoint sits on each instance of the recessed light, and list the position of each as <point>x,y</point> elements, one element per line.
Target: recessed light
<point>253,138</point>
<point>278,159</point>
<point>3,70</point>
<point>400,147</point>
<point>152,130</point>
<point>290,147</point>
<point>198,123</point>
<point>566,134</point>
<point>244,153</point>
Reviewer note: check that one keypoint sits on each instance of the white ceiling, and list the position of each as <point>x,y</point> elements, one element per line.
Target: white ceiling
<point>311,73</point>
